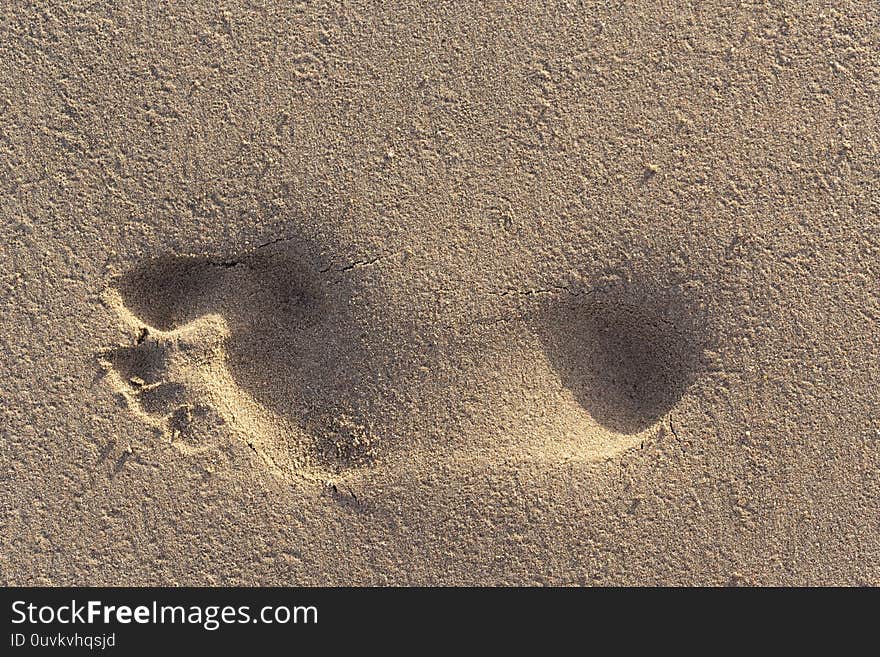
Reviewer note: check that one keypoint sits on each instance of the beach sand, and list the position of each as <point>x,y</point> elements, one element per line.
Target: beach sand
<point>344,293</point>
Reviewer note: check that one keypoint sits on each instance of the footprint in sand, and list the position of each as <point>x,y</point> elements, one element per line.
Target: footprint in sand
<point>286,352</point>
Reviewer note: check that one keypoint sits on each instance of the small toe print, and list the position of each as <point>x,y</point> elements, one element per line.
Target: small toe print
<point>144,374</point>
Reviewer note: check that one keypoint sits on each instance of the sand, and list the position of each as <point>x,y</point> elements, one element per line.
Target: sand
<point>440,293</point>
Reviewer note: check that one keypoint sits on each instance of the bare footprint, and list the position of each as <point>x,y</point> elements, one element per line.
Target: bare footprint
<point>290,354</point>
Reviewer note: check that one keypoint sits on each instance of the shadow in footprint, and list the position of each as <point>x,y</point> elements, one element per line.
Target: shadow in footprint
<point>170,291</point>
<point>627,350</point>
<point>301,343</point>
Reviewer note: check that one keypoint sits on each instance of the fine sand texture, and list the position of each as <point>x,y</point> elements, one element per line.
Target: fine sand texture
<point>348,293</point>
